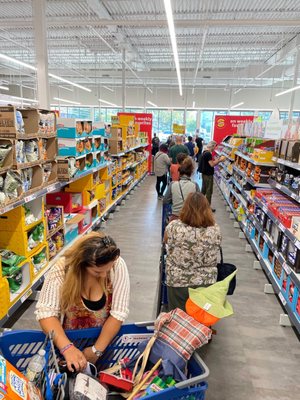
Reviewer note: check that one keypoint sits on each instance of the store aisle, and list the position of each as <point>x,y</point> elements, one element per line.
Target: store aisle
<point>251,357</point>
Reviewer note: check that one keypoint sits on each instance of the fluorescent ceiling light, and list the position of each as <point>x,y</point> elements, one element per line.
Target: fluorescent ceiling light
<point>69,82</point>
<point>287,91</point>
<point>66,101</point>
<point>14,102</point>
<point>107,102</point>
<point>108,88</point>
<point>15,61</point>
<point>66,88</point>
<point>237,105</point>
<point>4,88</point>
<point>24,98</point>
<point>152,104</point>
<point>150,90</point>
<point>170,19</point>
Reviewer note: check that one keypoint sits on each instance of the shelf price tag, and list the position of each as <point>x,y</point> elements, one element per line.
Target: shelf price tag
<point>265,210</point>
<point>29,198</point>
<point>297,243</point>
<point>287,268</point>
<point>276,254</point>
<point>281,227</point>
<point>293,195</point>
<point>282,299</point>
<point>51,188</point>
<point>26,295</point>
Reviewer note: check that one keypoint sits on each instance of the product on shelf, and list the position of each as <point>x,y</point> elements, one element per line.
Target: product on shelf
<point>36,236</point>
<point>5,151</point>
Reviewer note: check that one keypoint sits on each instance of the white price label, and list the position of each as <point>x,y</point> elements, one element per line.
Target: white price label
<point>279,186</point>
<point>29,198</point>
<point>281,227</point>
<point>282,299</point>
<point>276,254</point>
<point>51,188</point>
<point>293,195</point>
<point>287,268</point>
<point>265,210</point>
<point>25,296</point>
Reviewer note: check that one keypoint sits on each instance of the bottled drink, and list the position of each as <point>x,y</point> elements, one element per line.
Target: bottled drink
<point>36,365</point>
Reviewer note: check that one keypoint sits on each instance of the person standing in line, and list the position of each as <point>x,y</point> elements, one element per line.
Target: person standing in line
<point>174,169</point>
<point>161,166</point>
<point>207,168</point>
<point>177,148</point>
<point>155,144</point>
<point>193,243</point>
<point>191,146</point>
<point>199,143</point>
<point>178,191</point>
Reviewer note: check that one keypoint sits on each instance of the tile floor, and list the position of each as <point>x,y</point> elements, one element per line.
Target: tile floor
<point>251,357</point>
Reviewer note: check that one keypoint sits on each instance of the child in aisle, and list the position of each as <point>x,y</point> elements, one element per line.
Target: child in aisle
<point>88,287</point>
<point>174,169</point>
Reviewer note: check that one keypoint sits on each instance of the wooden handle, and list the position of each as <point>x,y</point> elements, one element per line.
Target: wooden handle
<point>142,383</point>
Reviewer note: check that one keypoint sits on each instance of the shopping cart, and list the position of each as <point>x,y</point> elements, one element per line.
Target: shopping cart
<point>162,296</point>
<point>19,346</point>
<point>166,212</point>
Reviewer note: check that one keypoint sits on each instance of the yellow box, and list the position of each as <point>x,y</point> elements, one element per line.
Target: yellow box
<point>15,220</point>
<point>105,173</point>
<point>85,183</point>
<point>262,155</point>
<point>4,297</point>
<point>236,141</point>
<point>18,242</point>
<point>37,269</point>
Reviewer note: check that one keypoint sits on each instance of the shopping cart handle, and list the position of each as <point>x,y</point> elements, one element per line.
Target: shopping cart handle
<point>196,379</point>
<point>144,324</point>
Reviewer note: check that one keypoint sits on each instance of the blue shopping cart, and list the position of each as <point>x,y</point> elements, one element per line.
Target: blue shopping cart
<point>19,346</point>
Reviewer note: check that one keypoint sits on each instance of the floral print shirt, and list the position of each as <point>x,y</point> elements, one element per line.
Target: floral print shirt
<point>191,254</point>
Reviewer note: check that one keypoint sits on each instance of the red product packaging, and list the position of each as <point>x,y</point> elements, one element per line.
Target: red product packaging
<point>72,202</point>
<point>116,380</point>
<point>285,215</point>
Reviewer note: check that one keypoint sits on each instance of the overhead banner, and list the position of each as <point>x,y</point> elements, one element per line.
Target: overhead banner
<point>225,125</point>
<point>145,122</point>
<point>179,129</point>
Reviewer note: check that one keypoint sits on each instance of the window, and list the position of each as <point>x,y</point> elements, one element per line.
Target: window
<point>265,115</point>
<point>177,117</point>
<point>206,123</point>
<point>284,114</point>
<point>110,112</point>
<point>165,121</point>
<point>155,119</point>
<point>100,114</point>
<point>191,122</point>
<point>246,113</point>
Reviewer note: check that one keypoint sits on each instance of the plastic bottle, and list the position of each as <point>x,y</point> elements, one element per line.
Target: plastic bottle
<point>36,365</point>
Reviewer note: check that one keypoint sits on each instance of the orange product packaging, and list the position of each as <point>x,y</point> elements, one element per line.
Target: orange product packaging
<point>14,385</point>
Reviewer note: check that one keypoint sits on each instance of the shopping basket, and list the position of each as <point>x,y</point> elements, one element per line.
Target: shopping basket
<point>19,346</point>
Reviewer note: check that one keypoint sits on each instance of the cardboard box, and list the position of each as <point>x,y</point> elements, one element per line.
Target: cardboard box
<point>72,226</point>
<point>13,384</point>
<point>262,155</point>
<point>71,147</point>
<point>72,202</point>
<point>115,146</point>
<point>73,128</point>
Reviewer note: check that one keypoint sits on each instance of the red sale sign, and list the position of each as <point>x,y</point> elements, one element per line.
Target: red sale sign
<point>225,125</point>
<point>145,122</point>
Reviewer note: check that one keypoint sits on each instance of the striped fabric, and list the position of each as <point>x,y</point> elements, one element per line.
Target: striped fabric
<point>181,332</point>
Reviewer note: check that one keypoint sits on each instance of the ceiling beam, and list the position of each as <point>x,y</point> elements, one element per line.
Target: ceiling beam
<point>185,23</point>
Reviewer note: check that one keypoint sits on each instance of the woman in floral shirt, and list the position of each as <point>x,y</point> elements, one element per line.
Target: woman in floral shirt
<point>193,243</point>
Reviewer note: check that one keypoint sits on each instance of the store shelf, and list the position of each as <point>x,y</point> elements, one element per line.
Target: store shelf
<point>249,159</point>
<point>226,169</point>
<point>48,189</point>
<point>285,230</point>
<point>229,145</point>
<point>249,180</point>
<point>284,190</point>
<point>40,278</point>
<point>267,267</point>
<point>287,163</point>
<point>242,191</point>
<point>128,151</point>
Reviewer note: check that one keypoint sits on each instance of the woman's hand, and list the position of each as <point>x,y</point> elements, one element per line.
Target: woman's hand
<point>75,359</point>
<point>90,355</point>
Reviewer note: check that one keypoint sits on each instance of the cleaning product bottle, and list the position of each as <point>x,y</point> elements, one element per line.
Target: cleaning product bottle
<point>36,365</point>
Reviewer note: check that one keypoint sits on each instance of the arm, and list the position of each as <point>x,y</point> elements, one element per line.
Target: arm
<point>48,315</point>
<point>217,161</point>
<point>165,239</point>
<point>168,160</point>
<point>168,196</point>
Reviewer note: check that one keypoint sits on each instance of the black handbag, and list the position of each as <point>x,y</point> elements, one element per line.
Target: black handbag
<point>224,270</point>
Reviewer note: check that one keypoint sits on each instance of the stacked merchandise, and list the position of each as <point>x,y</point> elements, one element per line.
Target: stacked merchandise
<point>264,198</point>
<point>28,150</point>
<point>82,146</point>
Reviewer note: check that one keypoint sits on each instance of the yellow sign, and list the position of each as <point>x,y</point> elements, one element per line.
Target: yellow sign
<point>179,129</point>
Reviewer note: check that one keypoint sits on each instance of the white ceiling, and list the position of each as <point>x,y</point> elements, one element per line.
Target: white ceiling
<point>221,43</point>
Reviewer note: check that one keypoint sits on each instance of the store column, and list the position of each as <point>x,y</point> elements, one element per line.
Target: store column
<point>123,81</point>
<point>41,51</point>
